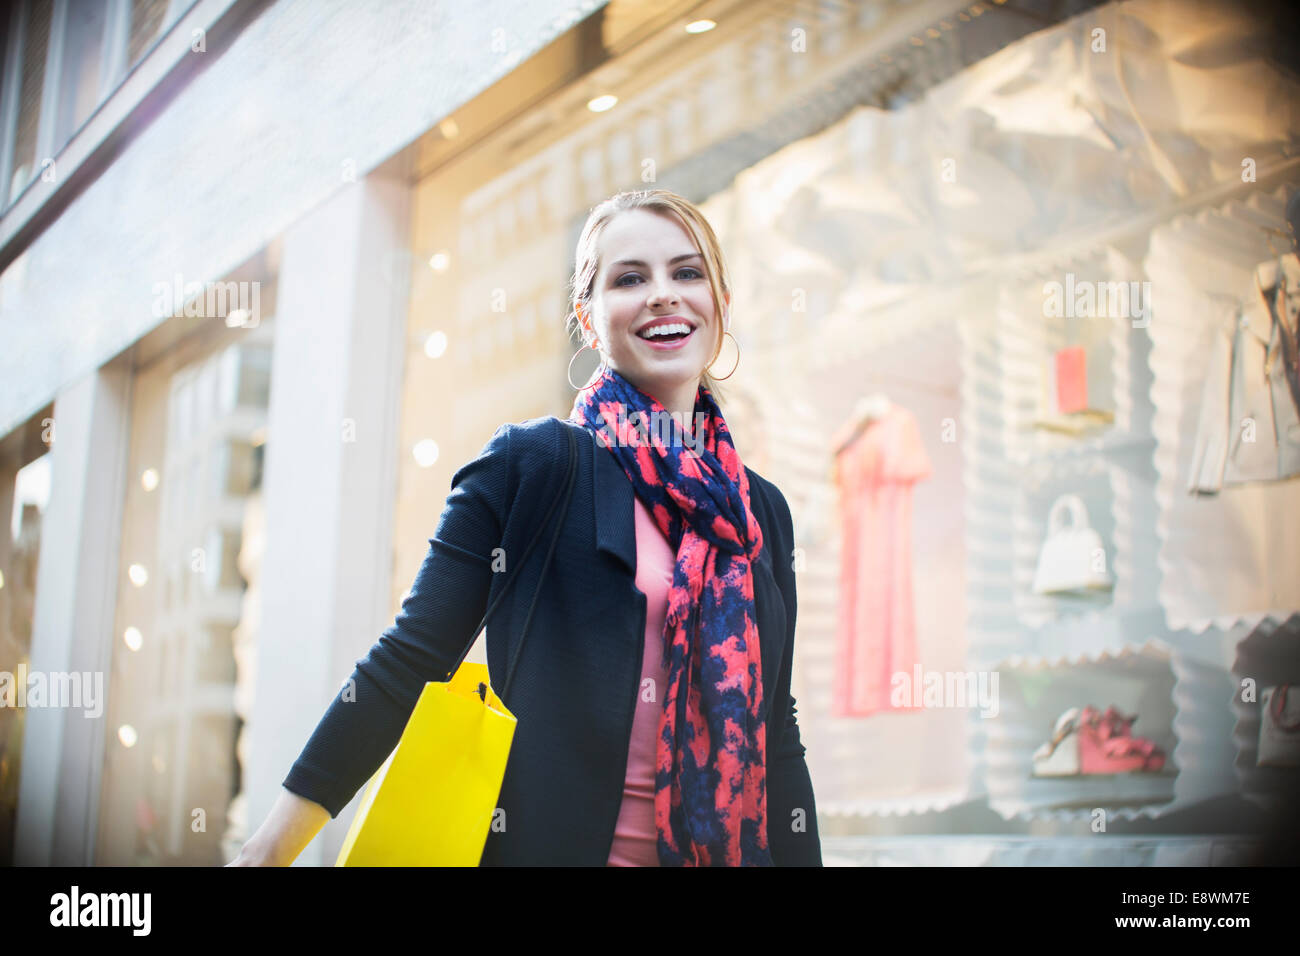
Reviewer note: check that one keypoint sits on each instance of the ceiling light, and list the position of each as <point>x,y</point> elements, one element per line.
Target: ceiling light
<point>425,452</point>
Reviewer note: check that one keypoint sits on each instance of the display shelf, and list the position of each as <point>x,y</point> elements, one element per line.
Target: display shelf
<point>1085,423</point>
<point>1112,442</point>
<point>933,801</point>
<point>1173,696</point>
<point>1030,333</point>
<point>1109,790</point>
<point>1038,690</point>
<point>1090,481</point>
<point>1014,850</point>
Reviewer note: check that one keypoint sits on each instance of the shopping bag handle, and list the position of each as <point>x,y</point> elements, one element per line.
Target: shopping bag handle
<point>565,498</point>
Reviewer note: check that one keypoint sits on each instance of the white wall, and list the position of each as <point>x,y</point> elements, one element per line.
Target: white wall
<point>266,132</point>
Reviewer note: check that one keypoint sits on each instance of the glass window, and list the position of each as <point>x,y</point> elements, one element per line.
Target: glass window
<point>215,655</point>
<point>205,389</point>
<point>147,20</point>
<point>17,605</point>
<point>35,44</point>
<point>945,232</point>
<point>233,469</point>
<point>79,86</point>
<point>195,419</point>
<point>221,561</point>
<point>254,376</point>
<point>210,772</point>
<point>229,378</point>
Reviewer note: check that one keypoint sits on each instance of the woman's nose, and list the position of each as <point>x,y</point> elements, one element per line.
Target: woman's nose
<point>663,292</point>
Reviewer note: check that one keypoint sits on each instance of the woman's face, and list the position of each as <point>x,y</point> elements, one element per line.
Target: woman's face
<point>650,271</point>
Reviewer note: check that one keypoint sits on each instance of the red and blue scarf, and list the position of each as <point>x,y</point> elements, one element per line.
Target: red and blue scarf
<point>710,788</point>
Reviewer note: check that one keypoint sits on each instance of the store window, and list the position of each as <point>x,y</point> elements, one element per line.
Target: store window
<point>177,694</point>
<point>950,230</point>
<point>28,487</point>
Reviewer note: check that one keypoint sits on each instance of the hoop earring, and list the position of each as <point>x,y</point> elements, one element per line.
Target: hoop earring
<point>569,372</point>
<point>723,378</point>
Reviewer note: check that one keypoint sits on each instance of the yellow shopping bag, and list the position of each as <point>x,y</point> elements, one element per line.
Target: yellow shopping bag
<point>432,801</point>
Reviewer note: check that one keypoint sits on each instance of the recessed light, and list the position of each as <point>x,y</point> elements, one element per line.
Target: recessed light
<point>425,452</point>
<point>435,346</point>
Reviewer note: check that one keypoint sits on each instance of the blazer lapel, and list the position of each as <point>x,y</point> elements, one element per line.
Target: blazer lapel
<point>615,521</point>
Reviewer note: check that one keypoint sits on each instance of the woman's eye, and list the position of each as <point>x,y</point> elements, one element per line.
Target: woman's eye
<point>695,274</point>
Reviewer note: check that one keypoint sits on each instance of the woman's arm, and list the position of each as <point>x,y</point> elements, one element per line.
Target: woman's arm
<point>365,719</point>
<point>292,823</point>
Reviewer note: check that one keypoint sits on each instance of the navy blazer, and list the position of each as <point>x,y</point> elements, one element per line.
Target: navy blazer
<point>578,676</point>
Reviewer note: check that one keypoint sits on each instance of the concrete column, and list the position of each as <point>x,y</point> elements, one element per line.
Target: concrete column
<point>8,488</point>
<point>76,590</point>
<point>330,473</point>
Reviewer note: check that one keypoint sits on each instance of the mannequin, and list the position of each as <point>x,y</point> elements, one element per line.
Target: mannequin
<point>869,408</point>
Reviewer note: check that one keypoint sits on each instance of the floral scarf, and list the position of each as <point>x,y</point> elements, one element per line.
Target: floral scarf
<point>710,786</point>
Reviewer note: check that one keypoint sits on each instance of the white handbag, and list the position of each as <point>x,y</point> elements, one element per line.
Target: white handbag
<point>1279,727</point>
<point>1072,557</point>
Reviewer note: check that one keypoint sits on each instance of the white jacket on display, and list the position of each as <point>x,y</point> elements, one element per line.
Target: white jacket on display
<point>1249,425</point>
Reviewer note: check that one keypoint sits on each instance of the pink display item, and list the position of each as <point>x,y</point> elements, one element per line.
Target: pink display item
<point>874,474</point>
<point>1106,744</point>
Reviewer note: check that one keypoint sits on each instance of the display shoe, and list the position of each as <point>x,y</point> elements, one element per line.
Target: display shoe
<point>1107,745</point>
<point>1090,741</point>
<point>1059,757</point>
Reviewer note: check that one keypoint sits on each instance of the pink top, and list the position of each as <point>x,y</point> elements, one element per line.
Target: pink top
<point>635,835</point>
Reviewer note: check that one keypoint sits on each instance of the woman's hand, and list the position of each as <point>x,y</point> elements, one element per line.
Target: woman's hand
<point>292,823</point>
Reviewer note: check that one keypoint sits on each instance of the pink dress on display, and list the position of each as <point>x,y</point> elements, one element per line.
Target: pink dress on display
<point>876,635</point>
<point>636,837</point>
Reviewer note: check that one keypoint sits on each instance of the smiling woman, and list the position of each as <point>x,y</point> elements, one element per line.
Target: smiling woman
<point>650,293</point>
<point>649,284</point>
<point>655,725</point>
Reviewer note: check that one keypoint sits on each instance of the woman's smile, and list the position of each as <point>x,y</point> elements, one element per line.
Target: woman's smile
<point>667,334</point>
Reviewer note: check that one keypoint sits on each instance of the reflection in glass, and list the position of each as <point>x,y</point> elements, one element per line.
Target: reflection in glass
<point>193,416</point>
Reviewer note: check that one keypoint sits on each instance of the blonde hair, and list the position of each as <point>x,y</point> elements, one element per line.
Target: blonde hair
<point>666,203</point>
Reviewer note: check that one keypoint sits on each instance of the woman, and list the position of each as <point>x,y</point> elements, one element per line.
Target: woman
<point>656,725</point>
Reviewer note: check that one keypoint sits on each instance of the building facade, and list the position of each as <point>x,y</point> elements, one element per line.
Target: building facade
<point>273,270</point>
